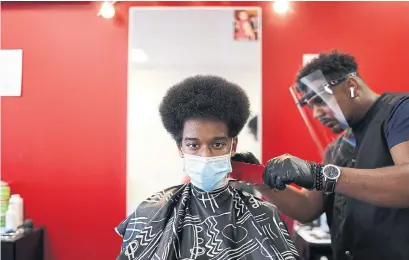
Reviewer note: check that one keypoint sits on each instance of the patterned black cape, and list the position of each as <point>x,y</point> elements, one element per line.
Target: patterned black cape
<point>184,223</point>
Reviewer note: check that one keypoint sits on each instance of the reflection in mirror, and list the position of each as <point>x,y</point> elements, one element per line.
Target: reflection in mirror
<point>167,45</point>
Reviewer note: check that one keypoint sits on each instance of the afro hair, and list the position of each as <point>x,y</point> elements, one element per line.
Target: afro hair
<point>333,65</point>
<point>204,96</point>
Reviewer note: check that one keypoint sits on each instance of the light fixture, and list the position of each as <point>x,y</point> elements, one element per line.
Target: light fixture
<point>281,6</point>
<point>107,10</point>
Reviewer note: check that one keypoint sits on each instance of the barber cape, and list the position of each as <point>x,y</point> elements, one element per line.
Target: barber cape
<point>186,223</point>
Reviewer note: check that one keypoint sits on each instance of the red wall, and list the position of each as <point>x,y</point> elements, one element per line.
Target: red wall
<point>64,140</point>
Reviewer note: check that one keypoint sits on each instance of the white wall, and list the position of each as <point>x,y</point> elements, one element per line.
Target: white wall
<point>152,159</point>
<point>181,37</point>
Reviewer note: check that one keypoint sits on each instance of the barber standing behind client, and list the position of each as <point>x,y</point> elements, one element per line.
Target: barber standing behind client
<point>374,220</point>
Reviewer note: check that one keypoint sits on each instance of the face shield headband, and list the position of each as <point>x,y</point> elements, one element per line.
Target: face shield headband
<point>310,94</point>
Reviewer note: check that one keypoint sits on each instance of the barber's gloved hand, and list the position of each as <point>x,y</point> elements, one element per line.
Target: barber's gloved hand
<point>287,169</point>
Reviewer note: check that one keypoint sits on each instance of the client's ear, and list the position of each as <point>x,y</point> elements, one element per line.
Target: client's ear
<point>179,150</point>
<point>235,140</point>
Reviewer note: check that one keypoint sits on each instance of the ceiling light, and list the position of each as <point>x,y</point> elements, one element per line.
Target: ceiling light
<point>107,10</point>
<point>281,6</point>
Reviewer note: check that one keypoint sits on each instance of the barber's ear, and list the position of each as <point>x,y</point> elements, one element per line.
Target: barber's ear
<point>234,146</point>
<point>352,91</point>
<point>353,87</point>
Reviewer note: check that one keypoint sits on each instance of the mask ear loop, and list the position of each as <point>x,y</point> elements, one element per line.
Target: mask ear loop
<point>228,177</point>
<point>231,145</point>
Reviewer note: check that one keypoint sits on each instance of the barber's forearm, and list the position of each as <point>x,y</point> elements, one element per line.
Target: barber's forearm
<point>385,187</point>
<point>294,203</point>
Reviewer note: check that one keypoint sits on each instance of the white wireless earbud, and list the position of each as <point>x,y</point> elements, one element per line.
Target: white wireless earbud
<point>352,90</point>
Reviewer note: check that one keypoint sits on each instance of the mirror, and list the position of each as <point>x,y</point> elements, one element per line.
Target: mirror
<point>167,45</point>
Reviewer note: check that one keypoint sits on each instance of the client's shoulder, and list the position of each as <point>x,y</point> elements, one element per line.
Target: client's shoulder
<point>250,199</point>
<point>261,210</point>
<point>160,198</point>
<point>148,208</point>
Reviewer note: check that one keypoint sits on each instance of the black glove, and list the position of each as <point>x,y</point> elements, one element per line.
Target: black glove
<point>287,169</point>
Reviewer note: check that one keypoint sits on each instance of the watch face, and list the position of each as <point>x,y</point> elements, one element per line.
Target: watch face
<point>331,172</point>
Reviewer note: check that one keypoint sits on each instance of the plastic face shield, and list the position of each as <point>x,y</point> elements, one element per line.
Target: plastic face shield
<point>315,90</point>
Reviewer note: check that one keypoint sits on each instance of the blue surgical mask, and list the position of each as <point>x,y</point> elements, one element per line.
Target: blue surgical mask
<point>207,173</point>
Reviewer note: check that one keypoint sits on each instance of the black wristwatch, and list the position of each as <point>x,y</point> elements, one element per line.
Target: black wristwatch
<point>331,175</point>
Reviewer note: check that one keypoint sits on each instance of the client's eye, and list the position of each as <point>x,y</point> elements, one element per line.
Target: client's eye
<point>193,145</point>
<point>218,145</point>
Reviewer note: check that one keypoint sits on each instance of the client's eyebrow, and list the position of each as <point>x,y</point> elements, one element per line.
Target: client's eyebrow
<point>191,139</point>
<point>220,138</point>
<point>217,138</point>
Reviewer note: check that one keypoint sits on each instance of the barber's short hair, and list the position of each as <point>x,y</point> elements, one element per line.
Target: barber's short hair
<point>333,65</point>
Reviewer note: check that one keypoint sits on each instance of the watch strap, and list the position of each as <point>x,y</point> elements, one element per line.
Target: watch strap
<point>329,185</point>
